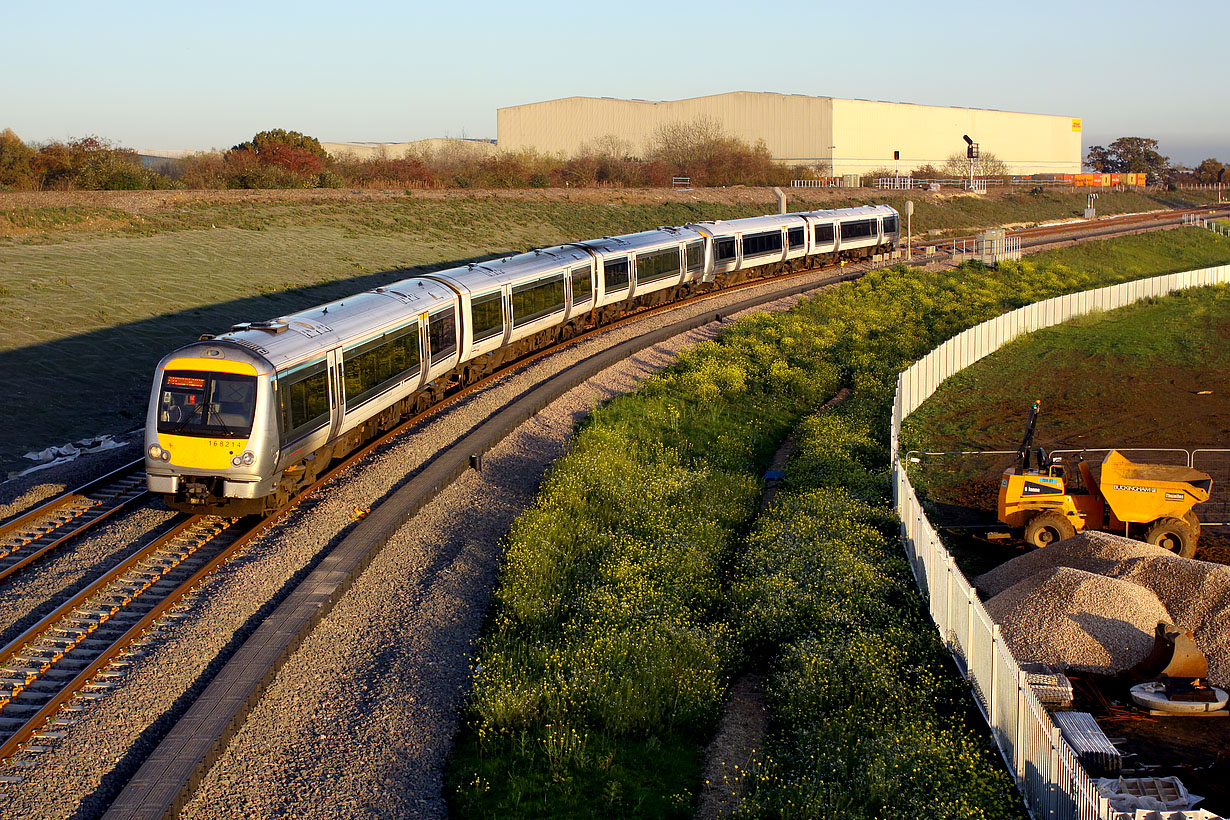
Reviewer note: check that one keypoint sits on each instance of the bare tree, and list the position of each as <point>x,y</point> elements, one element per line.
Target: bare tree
<point>609,146</point>
<point>680,142</point>
<point>987,165</point>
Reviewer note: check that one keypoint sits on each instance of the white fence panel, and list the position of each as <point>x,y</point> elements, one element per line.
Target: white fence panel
<point>1050,778</point>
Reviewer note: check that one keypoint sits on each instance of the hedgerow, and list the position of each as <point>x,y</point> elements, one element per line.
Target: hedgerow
<point>869,720</point>
<point>633,591</point>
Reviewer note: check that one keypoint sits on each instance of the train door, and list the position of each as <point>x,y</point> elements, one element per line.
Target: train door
<point>337,392</point>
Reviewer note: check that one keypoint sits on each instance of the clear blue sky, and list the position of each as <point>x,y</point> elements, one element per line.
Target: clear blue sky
<point>172,75</point>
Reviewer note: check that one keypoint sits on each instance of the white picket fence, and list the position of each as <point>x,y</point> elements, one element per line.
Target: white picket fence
<point>1050,778</point>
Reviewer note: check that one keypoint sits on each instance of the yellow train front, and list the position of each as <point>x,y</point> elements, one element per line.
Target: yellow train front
<point>211,438</point>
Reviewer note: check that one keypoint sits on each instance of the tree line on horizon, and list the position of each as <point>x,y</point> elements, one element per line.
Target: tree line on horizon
<point>698,150</point>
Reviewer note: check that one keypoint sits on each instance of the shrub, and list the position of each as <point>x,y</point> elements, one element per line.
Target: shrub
<point>15,161</point>
<point>91,163</point>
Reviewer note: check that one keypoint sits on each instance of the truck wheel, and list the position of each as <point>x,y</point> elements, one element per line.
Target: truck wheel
<point>1046,528</point>
<point>1173,534</point>
<point>1191,518</point>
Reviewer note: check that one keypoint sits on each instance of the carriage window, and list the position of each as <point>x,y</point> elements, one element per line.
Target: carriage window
<point>758,244</point>
<point>655,265</point>
<point>582,285</point>
<point>890,224</point>
<point>696,256</point>
<point>726,249</point>
<point>200,403</point>
<point>534,300</point>
<point>487,311</point>
<point>825,234</point>
<point>794,238</point>
<point>442,335</point>
<point>615,273</point>
<point>376,365</point>
<point>859,229</point>
<point>304,398</point>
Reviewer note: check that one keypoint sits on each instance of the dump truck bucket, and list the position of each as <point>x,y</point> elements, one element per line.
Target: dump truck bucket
<point>1174,655</point>
<point>1140,493</point>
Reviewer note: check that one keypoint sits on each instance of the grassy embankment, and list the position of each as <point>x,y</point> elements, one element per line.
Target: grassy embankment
<point>91,297</point>
<point>633,593</point>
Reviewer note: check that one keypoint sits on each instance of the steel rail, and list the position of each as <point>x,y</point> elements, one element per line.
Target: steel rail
<point>29,540</point>
<point>55,619</point>
<point>35,723</point>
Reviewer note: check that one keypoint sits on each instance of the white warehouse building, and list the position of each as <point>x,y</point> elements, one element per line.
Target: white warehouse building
<point>848,136</point>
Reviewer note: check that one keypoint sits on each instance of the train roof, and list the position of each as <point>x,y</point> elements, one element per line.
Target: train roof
<point>861,212</point>
<point>632,242</point>
<point>751,223</point>
<point>479,276</point>
<point>306,335</point>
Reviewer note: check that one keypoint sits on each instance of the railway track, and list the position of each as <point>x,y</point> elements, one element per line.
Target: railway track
<point>32,535</point>
<point>67,653</point>
<point>76,653</point>
<point>1075,231</point>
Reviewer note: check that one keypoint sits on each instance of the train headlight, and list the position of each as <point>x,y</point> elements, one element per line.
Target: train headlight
<point>248,457</point>
<point>155,451</point>
<point>235,462</point>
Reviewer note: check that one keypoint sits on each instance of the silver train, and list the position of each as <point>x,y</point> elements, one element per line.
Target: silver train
<point>239,422</point>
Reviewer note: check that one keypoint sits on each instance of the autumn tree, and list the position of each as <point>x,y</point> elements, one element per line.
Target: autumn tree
<point>90,162</point>
<point>1129,155</point>
<point>702,151</point>
<point>15,156</point>
<point>1209,172</point>
<point>278,138</point>
<point>298,153</point>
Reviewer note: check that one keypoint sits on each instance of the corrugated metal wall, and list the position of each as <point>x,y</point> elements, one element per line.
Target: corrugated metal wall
<point>854,135</point>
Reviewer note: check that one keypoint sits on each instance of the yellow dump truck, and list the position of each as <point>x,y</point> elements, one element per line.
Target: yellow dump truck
<point>1052,499</point>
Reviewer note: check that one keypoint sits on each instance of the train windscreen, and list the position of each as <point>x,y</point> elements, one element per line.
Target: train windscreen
<point>213,405</point>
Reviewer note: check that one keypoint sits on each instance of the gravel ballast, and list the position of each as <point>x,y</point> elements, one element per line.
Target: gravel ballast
<point>365,711</point>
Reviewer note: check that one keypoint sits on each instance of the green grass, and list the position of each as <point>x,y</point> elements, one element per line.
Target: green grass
<point>869,719</point>
<point>631,596</point>
<point>1120,349</point>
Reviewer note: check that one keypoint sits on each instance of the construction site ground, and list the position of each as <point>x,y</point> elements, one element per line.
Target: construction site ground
<point>1095,394</point>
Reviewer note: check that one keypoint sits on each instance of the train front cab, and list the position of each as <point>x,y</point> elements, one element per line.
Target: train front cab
<point>208,432</point>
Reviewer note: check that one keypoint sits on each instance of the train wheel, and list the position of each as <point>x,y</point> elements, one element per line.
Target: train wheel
<point>1173,534</point>
<point>1048,527</point>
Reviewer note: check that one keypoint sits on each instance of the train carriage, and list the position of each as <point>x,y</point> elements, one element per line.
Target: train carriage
<point>754,246</point>
<point>852,232</point>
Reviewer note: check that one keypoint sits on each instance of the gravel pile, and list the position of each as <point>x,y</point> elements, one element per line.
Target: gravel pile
<point>1090,550</point>
<point>1071,618</point>
<point>360,720</point>
<point>1195,593</point>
